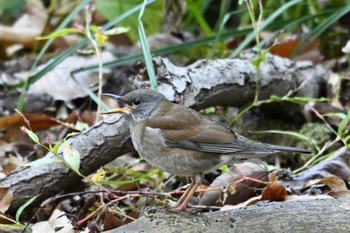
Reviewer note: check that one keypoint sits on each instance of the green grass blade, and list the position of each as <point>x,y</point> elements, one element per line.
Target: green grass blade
<point>292,133</point>
<point>194,43</point>
<point>64,23</point>
<point>263,26</point>
<point>343,124</point>
<point>145,49</point>
<point>126,14</point>
<point>22,207</point>
<point>193,7</point>
<point>322,27</point>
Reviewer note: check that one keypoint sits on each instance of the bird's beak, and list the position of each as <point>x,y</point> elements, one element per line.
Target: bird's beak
<point>126,109</point>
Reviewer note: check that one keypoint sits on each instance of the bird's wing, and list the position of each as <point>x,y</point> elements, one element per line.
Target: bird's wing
<point>189,130</point>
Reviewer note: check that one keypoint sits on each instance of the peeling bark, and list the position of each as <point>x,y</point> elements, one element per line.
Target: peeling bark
<point>231,82</point>
<point>311,216</point>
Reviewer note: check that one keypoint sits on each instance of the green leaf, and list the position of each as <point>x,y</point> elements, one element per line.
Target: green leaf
<point>116,30</point>
<point>71,135</point>
<point>22,207</point>
<point>224,168</point>
<point>32,135</point>
<point>346,141</point>
<point>300,100</point>
<point>118,182</point>
<point>61,32</point>
<point>275,98</point>
<point>54,149</point>
<point>40,162</point>
<point>153,17</point>
<point>343,124</point>
<point>81,126</point>
<point>335,114</point>
<point>71,156</point>
<point>258,60</point>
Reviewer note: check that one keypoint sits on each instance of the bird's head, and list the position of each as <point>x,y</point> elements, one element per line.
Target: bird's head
<point>140,104</point>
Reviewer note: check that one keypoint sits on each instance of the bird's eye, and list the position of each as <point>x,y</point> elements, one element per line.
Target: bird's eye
<point>136,101</point>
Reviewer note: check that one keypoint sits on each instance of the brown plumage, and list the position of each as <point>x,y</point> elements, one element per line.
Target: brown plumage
<point>181,141</point>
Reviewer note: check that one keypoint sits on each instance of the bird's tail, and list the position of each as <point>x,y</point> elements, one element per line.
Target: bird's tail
<point>290,149</point>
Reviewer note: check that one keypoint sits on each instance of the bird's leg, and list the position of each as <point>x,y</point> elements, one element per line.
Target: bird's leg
<point>186,197</point>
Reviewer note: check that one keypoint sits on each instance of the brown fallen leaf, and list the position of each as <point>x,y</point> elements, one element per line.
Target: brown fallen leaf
<point>6,197</point>
<point>341,194</point>
<point>10,125</point>
<point>135,214</point>
<point>286,49</point>
<point>335,183</point>
<point>273,192</point>
<point>110,221</point>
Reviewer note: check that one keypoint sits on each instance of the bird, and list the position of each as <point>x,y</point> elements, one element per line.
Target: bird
<point>181,141</point>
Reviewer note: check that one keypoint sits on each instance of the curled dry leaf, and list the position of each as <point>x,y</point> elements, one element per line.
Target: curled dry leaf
<point>336,165</point>
<point>273,192</point>
<point>58,220</point>
<point>28,26</point>
<point>338,186</point>
<point>335,183</point>
<point>6,197</point>
<point>110,221</point>
<point>334,82</point>
<point>342,194</point>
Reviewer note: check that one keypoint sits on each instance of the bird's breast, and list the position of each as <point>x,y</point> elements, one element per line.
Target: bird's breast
<point>150,144</point>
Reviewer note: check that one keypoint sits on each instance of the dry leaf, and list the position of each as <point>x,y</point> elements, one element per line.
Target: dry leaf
<point>334,81</point>
<point>287,46</point>
<point>236,192</point>
<point>6,197</point>
<point>29,26</point>
<point>57,221</point>
<point>135,214</point>
<point>342,194</point>
<point>110,221</point>
<point>335,183</point>
<point>273,192</point>
<point>336,165</point>
<point>60,85</point>
<point>10,125</point>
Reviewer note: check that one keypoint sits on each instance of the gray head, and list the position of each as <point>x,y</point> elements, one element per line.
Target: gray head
<point>140,103</point>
